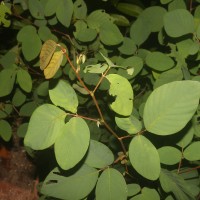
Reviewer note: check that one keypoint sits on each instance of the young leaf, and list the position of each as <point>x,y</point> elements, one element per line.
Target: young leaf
<point>54,65</point>
<point>191,153</point>
<point>169,155</point>
<point>99,155</point>
<point>74,186</point>
<point>164,113</point>
<point>123,103</point>
<point>144,157</point>
<point>72,143</point>
<point>111,185</point>
<point>46,53</point>
<point>45,126</point>
<point>5,130</point>
<point>63,95</point>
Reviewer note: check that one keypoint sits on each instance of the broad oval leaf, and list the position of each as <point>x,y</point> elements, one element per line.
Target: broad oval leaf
<point>169,155</point>
<point>123,103</point>
<point>72,144</point>
<point>64,12</point>
<point>164,113</point>
<point>192,152</point>
<point>144,157</point>
<point>80,9</point>
<point>45,126</point>
<point>24,80</point>
<point>46,53</point>
<point>159,61</point>
<point>178,22</point>
<point>110,34</point>
<point>54,65</point>
<point>99,155</point>
<point>19,98</point>
<point>74,186</point>
<point>111,185</point>
<point>133,189</point>
<point>64,95</point>
<point>36,9</point>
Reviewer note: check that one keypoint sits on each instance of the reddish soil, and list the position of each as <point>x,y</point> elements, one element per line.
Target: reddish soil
<point>17,172</point>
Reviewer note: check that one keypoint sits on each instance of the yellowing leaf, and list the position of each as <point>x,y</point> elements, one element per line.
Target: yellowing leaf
<point>46,53</point>
<point>54,65</point>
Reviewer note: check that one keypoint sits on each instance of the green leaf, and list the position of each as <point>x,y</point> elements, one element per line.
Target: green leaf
<point>80,9</point>
<point>86,35</point>
<point>97,69</point>
<point>50,7</point>
<point>129,124</point>
<point>178,22</point>
<point>24,80</point>
<point>28,108</point>
<point>72,143</point>
<point>5,130</point>
<point>191,153</point>
<point>64,95</point>
<point>111,185</point>
<point>140,31</point>
<point>36,9</point>
<point>21,131</point>
<point>128,47</point>
<point>43,89</point>
<point>133,189</point>
<point>30,47</point>
<point>169,155</point>
<point>73,186</point>
<point>7,80</point>
<point>175,74</point>
<point>164,113</point>
<point>172,182</point>
<point>110,34</point>
<point>99,155</point>
<point>64,12</point>
<point>8,59</point>
<point>97,18</point>
<point>120,20</point>
<point>5,110</point>
<point>4,10</point>
<point>147,194</point>
<point>154,17</point>
<point>129,9</point>
<point>133,62</point>
<point>45,34</point>
<point>19,98</point>
<point>46,124</point>
<point>144,157</point>
<point>123,103</point>
<point>159,61</point>
<point>186,138</point>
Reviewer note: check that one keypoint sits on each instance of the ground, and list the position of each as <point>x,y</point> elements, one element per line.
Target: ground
<point>18,179</point>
